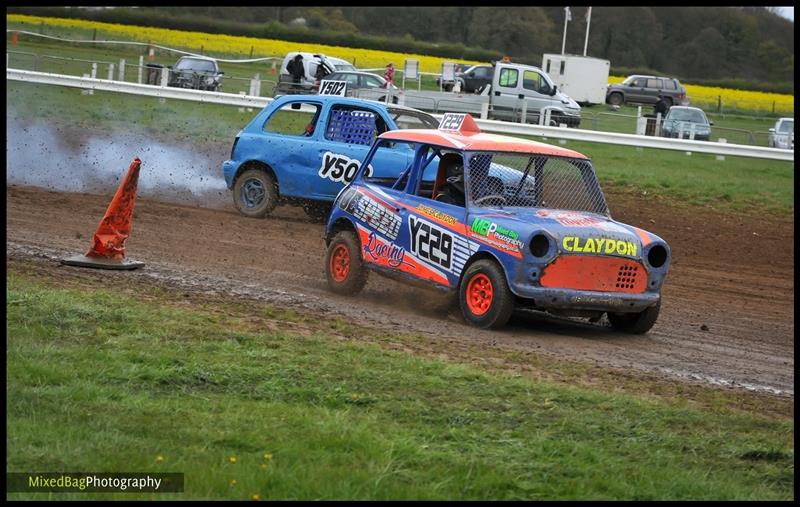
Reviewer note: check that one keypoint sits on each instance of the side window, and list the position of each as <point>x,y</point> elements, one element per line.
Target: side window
<point>530,81</point>
<point>294,119</point>
<point>443,179</point>
<point>353,125</point>
<point>482,72</point>
<point>640,82</point>
<point>351,80</point>
<point>669,84</point>
<point>654,83</point>
<point>509,77</point>
<point>372,82</point>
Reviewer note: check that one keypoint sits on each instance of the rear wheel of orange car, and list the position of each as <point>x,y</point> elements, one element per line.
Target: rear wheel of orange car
<point>486,300</point>
<point>345,272</point>
<point>635,323</point>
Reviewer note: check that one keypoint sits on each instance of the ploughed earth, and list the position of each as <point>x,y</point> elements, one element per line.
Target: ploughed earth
<point>727,313</point>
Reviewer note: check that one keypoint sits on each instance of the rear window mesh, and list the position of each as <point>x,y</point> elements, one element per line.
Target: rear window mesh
<point>351,126</point>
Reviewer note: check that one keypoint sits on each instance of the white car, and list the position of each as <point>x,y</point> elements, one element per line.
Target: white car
<point>782,134</point>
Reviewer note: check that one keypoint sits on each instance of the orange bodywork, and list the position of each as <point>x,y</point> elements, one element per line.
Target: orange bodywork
<point>596,273</point>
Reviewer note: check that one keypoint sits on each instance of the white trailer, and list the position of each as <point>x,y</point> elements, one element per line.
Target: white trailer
<point>583,78</point>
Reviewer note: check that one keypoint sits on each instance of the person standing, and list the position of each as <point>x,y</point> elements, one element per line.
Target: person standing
<point>296,69</point>
<point>661,106</point>
<point>389,75</point>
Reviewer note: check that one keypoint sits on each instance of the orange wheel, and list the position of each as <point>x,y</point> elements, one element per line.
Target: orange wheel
<point>340,263</point>
<point>486,300</point>
<point>479,294</point>
<point>345,272</point>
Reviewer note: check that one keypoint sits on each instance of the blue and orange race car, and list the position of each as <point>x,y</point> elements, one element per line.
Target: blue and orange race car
<point>504,221</point>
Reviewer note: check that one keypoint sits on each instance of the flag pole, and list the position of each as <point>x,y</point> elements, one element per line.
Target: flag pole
<point>588,22</point>
<point>564,40</point>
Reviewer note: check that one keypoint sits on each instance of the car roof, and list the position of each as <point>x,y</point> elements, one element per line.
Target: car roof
<point>478,141</point>
<point>351,101</point>
<point>355,72</point>
<point>198,57</point>
<point>656,77</point>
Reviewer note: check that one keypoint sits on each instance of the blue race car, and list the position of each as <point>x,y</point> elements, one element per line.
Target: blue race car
<point>303,149</point>
<point>503,221</point>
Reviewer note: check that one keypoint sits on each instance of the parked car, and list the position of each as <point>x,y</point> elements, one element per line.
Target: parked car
<point>682,121</point>
<point>286,85</point>
<point>197,73</point>
<point>473,79</point>
<point>362,81</point>
<point>531,229</point>
<point>638,89</point>
<point>782,134</point>
<point>302,149</point>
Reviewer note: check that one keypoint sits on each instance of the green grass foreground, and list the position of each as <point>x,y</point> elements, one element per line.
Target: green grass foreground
<point>98,382</point>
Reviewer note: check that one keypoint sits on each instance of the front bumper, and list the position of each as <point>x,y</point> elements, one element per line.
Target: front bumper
<point>570,299</point>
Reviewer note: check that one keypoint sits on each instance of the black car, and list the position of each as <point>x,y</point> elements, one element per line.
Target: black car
<point>472,79</point>
<point>197,73</point>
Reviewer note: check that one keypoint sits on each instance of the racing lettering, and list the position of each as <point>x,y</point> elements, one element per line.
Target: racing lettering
<point>599,246</point>
<point>383,252</point>
<point>451,121</point>
<point>339,168</point>
<point>430,242</point>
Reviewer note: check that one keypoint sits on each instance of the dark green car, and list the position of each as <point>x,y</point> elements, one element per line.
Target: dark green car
<point>686,123</point>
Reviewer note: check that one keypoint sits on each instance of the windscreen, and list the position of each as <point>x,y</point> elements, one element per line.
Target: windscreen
<point>786,126</point>
<point>406,119</point>
<point>690,115</point>
<point>195,65</point>
<point>519,180</point>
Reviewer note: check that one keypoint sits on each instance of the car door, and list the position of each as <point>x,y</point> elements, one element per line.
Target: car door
<point>653,88</point>
<point>505,101</point>
<point>536,90</point>
<point>289,134</point>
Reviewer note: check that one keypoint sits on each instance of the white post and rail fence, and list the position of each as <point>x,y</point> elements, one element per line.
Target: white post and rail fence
<point>163,91</point>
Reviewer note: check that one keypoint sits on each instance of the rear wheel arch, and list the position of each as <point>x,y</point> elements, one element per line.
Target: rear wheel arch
<point>256,164</point>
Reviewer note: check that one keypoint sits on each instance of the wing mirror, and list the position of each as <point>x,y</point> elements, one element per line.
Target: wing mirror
<point>772,131</point>
<point>710,122</point>
<point>554,90</point>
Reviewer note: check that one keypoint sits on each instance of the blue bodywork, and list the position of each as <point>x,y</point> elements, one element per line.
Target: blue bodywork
<point>419,239</point>
<point>316,165</point>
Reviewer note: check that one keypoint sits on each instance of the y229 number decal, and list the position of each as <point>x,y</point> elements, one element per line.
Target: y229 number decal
<point>340,168</point>
<point>430,242</point>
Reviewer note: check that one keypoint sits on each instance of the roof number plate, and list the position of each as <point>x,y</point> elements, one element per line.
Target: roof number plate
<point>338,88</point>
<point>452,121</point>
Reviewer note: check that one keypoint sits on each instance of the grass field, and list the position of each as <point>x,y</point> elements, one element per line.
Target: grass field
<point>745,184</point>
<point>150,381</point>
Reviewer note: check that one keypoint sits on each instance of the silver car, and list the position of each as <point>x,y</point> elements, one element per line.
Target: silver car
<point>782,134</point>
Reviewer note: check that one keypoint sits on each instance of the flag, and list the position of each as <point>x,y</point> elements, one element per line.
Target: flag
<point>568,13</point>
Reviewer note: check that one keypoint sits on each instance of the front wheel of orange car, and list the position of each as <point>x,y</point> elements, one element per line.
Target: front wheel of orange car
<point>635,323</point>
<point>343,266</point>
<point>485,298</point>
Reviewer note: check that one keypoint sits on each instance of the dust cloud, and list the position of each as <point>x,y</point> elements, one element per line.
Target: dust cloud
<point>69,159</point>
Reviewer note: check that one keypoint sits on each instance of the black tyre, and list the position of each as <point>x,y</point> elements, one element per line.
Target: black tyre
<point>615,99</point>
<point>317,213</point>
<point>635,323</point>
<point>255,193</point>
<point>344,269</point>
<point>485,299</point>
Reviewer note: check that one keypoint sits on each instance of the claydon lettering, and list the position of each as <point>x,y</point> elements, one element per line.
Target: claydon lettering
<point>599,246</point>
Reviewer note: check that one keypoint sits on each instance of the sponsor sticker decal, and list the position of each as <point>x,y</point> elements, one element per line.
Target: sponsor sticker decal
<point>430,242</point>
<point>382,252</point>
<point>376,215</point>
<point>435,213</point>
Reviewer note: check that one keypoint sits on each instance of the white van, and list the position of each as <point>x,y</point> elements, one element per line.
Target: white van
<point>515,84</point>
<point>310,63</point>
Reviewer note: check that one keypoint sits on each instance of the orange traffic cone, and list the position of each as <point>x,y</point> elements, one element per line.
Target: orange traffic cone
<point>108,244</point>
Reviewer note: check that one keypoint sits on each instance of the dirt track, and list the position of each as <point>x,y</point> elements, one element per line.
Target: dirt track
<point>727,313</point>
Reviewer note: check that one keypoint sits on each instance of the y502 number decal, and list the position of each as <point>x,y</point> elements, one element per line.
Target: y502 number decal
<point>430,242</point>
<point>327,87</point>
<point>340,168</point>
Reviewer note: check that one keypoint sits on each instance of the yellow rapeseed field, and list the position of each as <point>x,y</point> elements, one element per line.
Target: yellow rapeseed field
<point>238,45</point>
<point>364,58</point>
